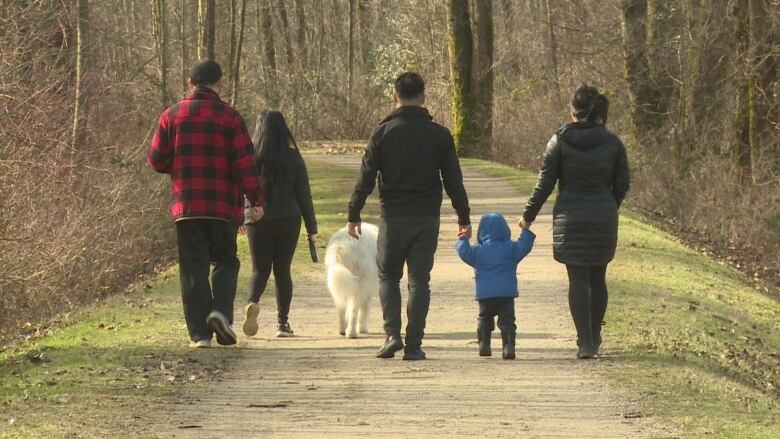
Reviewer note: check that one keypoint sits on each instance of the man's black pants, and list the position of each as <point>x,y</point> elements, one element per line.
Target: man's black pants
<point>413,241</point>
<point>201,243</point>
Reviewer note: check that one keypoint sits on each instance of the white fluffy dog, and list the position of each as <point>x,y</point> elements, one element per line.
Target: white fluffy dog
<point>352,277</point>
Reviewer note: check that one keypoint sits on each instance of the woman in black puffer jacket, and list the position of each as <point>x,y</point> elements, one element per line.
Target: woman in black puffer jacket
<point>590,166</point>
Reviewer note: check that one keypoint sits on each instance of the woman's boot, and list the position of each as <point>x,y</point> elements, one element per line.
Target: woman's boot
<point>508,341</point>
<point>483,335</point>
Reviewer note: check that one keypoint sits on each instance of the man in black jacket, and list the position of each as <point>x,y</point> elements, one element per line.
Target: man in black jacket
<point>412,156</point>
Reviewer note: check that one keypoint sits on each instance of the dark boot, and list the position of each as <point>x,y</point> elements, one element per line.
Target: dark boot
<point>392,345</point>
<point>586,349</point>
<point>483,335</point>
<point>508,342</point>
<point>597,335</point>
<point>414,354</point>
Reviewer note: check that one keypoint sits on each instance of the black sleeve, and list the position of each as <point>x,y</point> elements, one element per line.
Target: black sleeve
<point>622,177</point>
<point>303,194</point>
<point>366,180</point>
<point>545,184</point>
<point>453,182</point>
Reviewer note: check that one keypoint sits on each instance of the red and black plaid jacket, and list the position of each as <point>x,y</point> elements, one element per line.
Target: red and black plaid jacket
<point>203,143</point>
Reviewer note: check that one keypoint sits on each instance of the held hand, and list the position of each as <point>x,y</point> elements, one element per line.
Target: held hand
<point>257,212</point>
<point>314,237</point>
<point>464,231</point>
<point>354,230</point>
<point>524,224</point>
<point>242,230</point>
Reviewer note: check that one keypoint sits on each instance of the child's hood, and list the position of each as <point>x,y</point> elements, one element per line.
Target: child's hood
<point>493,227</point>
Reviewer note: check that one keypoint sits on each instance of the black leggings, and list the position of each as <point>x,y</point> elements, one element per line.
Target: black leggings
<point>272,244</point>
<point>587,301</point>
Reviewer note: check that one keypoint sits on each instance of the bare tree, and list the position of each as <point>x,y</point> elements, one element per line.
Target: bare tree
<point>461,49</point>
<point>483,69</point>
<point>269,54</point>
<point>82,56</point>
<point>160,32</point>
<point>236,79</point>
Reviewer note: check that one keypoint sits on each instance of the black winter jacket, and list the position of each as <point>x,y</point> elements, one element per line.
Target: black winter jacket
<point>291,197</point>
<point>411,155</point>
<point>591,168</point>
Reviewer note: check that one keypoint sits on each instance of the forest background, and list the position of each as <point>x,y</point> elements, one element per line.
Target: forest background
<point>693,86</point>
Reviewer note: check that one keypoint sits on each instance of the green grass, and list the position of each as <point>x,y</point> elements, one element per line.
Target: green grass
<point>689,335</point>
<point>110,364</point>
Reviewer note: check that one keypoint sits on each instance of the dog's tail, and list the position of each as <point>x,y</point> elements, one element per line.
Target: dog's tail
<point>343,282</point>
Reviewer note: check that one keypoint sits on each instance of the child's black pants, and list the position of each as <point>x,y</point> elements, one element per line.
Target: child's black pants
<point>503,307</point>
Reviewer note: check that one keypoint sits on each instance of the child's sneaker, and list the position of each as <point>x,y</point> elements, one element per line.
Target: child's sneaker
<point>284,330</point>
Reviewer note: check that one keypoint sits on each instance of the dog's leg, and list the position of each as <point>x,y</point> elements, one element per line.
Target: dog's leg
<point>341,310</point>
<point>365,309</point>
<point>352,318</point>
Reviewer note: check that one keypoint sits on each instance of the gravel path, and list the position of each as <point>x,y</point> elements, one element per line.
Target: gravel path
<point>319,384</point>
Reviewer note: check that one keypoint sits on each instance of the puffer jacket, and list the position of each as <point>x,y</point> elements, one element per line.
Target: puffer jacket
<point>495,256</point>
<point>589,164</point>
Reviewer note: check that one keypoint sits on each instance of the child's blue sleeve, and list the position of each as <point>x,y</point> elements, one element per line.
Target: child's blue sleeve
<point>466,252</point>
<point>523,245</point>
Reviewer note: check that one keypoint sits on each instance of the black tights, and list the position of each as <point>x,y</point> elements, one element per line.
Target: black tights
<point>272,244</point>
<point>587,301</point>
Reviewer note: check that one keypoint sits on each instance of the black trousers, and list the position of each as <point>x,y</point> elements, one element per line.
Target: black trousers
<point>272,245</point>
<point>587,300</point>
<point>503,307</point>
<point>203,242</point>
<point>412,241</point>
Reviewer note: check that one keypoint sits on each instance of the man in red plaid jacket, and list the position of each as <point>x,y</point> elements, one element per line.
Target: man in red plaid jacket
<point>203,144</point>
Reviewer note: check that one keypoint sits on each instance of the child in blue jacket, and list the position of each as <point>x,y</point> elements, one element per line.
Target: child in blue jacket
<point>495,258</point>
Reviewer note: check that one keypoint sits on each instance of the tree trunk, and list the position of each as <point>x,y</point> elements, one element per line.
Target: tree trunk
<point>363,34</point>
<point>553,56</point>
<point>461,49</point>
<point>644,100</point>
<point>206,28</point>
<point>160,32</point>
<point>286,31</point>
<point>300,13</point>
<point>662,56</point>
<point>761,83</point>
<point>741,145</point>
<point>484,77</point>
<point>236,79</point>
<point>351,49</point>
<point>184,48</point>
<point>269,53</point>
<point>82,57</point>
<point>231,45</point>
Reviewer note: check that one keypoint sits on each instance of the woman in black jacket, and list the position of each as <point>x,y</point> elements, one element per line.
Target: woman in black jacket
<point>590,166</point>
<point>272,239</point>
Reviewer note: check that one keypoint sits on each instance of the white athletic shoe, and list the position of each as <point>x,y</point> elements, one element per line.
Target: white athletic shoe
<point>200,344</point>
<point>250,324</point>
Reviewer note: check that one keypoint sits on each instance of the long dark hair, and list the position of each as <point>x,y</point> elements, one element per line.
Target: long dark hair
<point>588,104</point>
<point>274,144</point>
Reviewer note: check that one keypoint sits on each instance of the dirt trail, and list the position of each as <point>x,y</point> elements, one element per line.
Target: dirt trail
<point>321,385</point>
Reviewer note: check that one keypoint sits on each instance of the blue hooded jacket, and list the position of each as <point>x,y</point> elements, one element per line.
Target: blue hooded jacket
<point>495,256</point>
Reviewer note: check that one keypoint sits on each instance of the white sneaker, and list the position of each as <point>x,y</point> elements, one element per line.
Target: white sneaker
<point>200,344</point>
<point>250,324</point>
